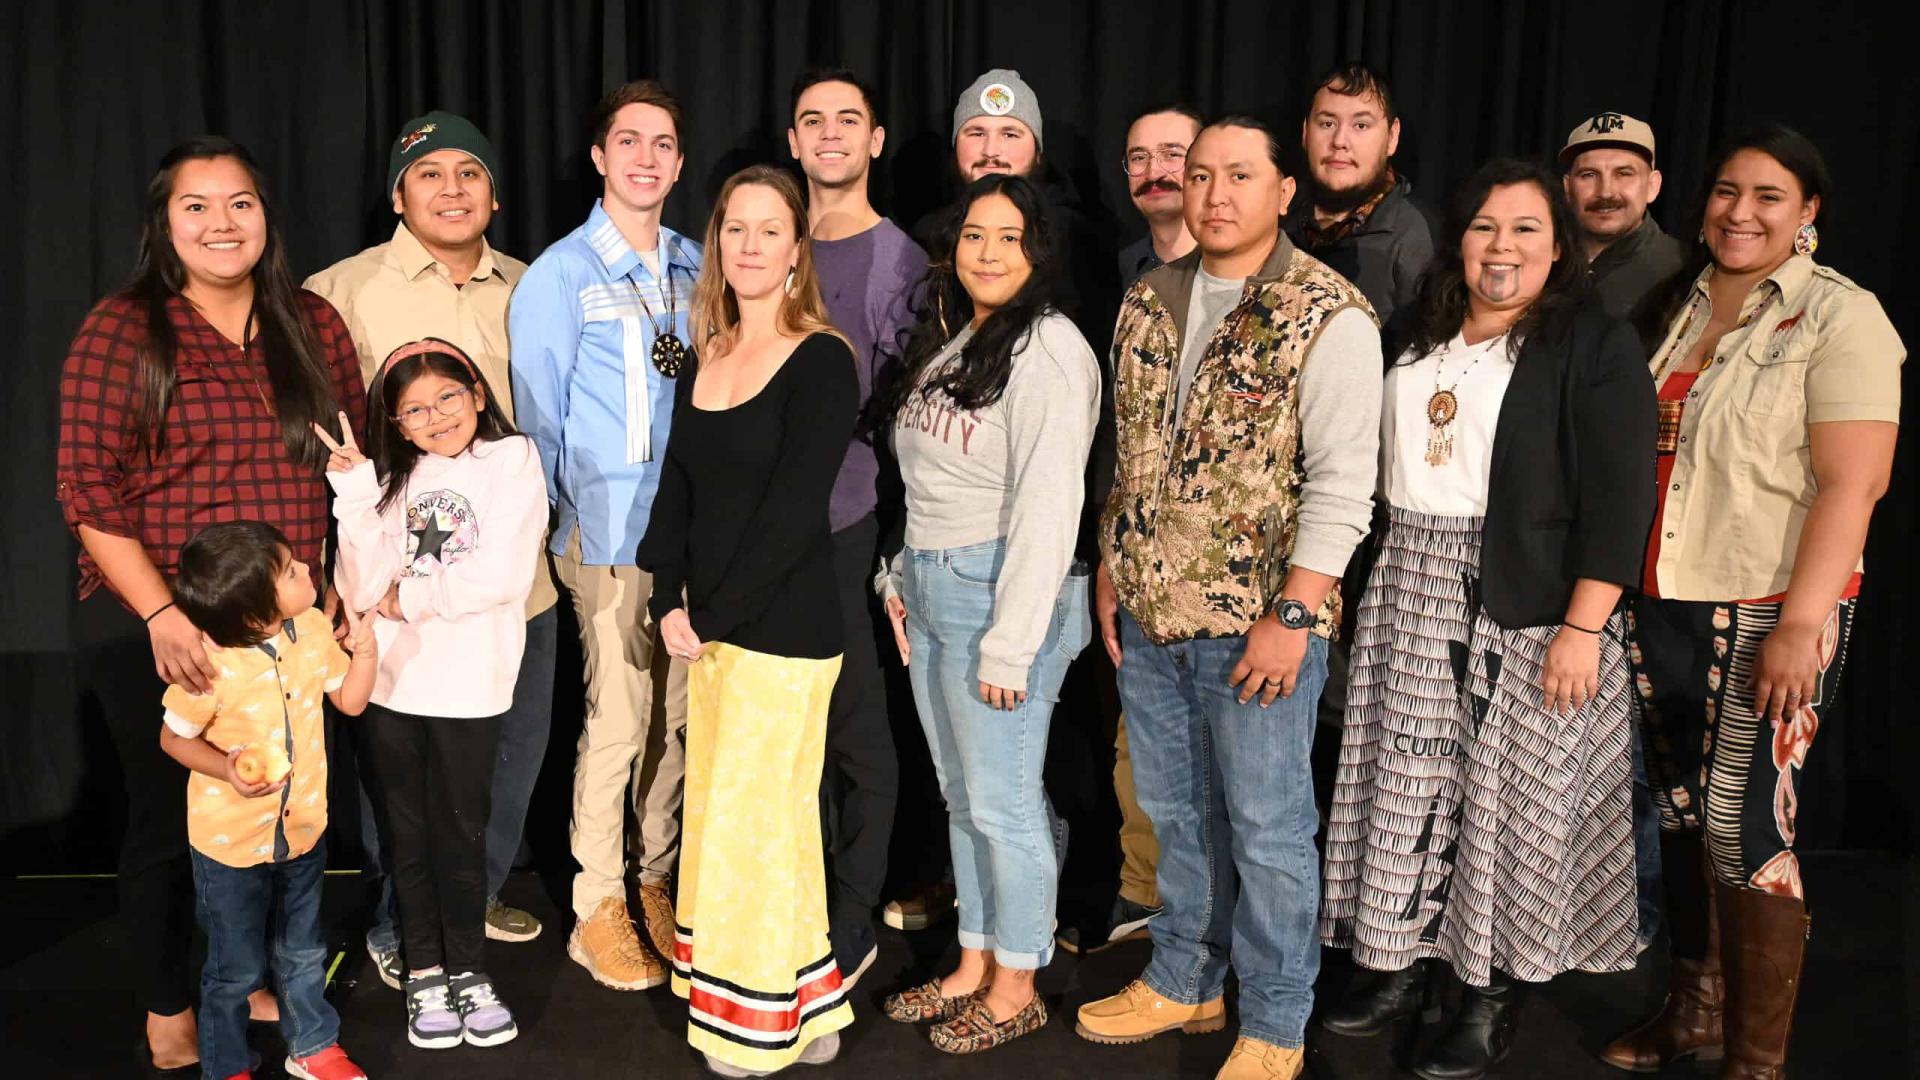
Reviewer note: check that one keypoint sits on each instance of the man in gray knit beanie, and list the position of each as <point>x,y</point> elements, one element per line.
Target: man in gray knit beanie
<point>996,126</point>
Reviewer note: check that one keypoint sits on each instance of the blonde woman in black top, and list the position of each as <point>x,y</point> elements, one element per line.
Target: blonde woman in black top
<point>740,524</point>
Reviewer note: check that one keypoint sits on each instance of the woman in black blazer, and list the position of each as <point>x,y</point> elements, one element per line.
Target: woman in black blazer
<point>1482,811</point>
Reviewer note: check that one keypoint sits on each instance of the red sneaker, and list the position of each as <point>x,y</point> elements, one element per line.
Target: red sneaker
<point>328,1064</point>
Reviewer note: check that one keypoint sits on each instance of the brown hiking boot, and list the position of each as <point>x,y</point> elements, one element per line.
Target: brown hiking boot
<point>656,905</point>
<point>1764,943</point>
<point>1137,1014</point>
<point>1689,1024</point>
<point>610,951</point>
<point>1254,1060</point>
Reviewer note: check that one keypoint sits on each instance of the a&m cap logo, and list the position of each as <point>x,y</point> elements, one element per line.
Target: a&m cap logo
<point>413,137</point>
<point>997,99</point>
<point>1606,123</point>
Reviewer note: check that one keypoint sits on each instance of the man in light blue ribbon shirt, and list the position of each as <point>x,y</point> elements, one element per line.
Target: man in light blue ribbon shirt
<point>599,332</point>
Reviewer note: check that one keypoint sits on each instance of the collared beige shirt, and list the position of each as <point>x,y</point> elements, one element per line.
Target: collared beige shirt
<point>1811,347</point>
<point>397,292</point>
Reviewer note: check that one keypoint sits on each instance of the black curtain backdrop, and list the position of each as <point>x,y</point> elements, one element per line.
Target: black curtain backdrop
<point>94,92</point>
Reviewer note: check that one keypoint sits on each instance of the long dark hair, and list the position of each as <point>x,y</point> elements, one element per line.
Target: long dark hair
<point>298,375</point>
<point>980,375</point>
<point>1795,152</point>
<point>392,453</point>
<point>1442,306</point>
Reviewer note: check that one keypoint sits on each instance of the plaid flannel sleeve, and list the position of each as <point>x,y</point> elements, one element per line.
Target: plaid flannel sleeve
<point>96,419</point>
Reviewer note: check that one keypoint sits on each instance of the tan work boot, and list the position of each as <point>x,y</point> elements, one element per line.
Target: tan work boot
<point>656,906</point>
<point>1254,1060</point>
<point>1137,1014</point>
<point>610,951</point>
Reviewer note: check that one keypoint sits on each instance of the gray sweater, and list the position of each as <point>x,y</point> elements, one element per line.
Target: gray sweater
<point>1012,469</point>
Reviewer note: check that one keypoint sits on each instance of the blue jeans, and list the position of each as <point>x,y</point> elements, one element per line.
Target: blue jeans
<point>1229,788</point>
<point>523,747</point>
<point>258,918</point>
<point>1646,846</point>
<point>989,760</point>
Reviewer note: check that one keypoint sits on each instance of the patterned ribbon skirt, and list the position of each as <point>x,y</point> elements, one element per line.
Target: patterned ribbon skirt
<point>1469,823</point>
<point>752,956</point>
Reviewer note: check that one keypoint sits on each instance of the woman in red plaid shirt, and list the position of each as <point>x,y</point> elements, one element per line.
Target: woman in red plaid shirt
<point>187,398</point>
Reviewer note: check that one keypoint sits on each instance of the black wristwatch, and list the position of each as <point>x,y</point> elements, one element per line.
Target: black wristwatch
<point>1294,615</point>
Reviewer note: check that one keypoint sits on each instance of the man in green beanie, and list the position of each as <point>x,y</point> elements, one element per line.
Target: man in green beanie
<point>438,277</point>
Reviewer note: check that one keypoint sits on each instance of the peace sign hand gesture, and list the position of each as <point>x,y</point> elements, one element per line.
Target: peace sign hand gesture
<point>345,454</point>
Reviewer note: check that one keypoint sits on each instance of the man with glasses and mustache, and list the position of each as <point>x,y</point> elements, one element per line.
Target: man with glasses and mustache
<point>1357,216</point>
<point>1155,164</point>
<point>1610,176</point>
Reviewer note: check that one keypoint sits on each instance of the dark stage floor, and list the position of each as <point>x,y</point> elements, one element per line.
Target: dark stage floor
<point>66,1011</point>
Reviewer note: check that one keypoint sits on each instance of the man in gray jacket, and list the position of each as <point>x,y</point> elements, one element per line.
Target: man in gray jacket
<point>1357,215</point>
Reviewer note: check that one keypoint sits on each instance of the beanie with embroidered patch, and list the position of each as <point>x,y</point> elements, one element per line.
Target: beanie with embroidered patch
<point>1000,92</point>
<point>439,130</point>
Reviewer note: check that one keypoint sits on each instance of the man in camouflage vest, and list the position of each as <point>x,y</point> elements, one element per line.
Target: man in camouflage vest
<point>1247,403</point>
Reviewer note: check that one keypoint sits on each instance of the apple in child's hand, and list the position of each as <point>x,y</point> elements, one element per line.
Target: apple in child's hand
<point>264,764</point>
<point>251,765</point>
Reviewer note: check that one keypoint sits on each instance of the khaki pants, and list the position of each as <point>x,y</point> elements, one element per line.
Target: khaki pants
<point>633,744</point>
<point>1139,851</point>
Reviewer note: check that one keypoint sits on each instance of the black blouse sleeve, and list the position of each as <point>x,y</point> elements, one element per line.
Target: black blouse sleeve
<point>816,421</point>
<point>1616,422</point>
<point>663,550</point>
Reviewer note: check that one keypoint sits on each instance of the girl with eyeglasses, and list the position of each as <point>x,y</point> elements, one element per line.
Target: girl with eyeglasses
<point>439,523</point>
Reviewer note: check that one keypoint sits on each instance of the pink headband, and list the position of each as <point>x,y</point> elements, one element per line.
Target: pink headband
<point>424,347</point>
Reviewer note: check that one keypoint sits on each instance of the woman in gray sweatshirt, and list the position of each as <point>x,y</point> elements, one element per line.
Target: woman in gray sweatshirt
<point>991,423</point>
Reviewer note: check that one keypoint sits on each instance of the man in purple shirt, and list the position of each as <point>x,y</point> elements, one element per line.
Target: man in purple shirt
<point>868,269</point>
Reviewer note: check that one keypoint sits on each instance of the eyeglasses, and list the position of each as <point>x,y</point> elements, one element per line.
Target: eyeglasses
<point>1167,157</point>
<point>449,403</point>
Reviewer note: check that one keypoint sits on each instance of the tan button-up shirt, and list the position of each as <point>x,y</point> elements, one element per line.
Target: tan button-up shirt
<point>1811,347</point>
<point>397,292</point>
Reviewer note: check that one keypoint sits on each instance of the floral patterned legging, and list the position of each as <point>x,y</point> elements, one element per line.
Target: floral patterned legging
<point>1714,764</point>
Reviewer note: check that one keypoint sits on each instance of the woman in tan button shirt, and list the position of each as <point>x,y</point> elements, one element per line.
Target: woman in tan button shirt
<point>1779,390</point>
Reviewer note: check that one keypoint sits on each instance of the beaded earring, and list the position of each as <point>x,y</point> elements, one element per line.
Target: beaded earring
<point>1807,240</point>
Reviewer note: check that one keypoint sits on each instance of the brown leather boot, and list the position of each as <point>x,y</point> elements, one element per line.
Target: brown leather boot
<point>1765,943</point>
<point>1689,1024</point>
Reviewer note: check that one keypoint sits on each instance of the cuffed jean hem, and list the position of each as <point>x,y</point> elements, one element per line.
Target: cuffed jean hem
<point>1023,961</point>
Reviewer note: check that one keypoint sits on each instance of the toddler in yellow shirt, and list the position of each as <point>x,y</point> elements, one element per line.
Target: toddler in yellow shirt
<point>257,797</point>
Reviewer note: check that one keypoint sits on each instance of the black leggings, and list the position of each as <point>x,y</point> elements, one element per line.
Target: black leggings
<point>861,778</point>
<point>156,877</point>
<point>434,777</point>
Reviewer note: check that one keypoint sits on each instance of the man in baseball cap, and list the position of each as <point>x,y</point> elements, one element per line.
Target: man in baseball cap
<point>1609,172</point>
<point>1610,176</point>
